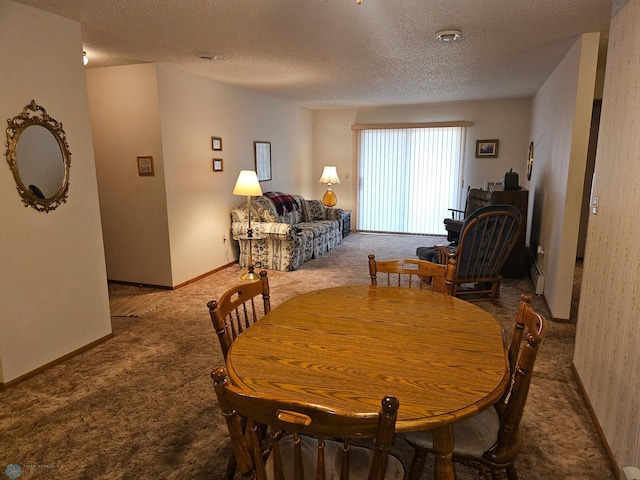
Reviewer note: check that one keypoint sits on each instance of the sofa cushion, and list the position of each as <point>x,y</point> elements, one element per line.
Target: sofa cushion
<point>284,203</point>
<point>267,215</point>
<point>317,228</point>
<point>289,205</point>
<point>314,210</point>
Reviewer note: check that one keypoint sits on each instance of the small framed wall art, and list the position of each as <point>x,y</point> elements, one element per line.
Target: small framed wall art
<point>145,166</point>
<point>216,144</point>
<point>217,165</point>
<point>487,148</point>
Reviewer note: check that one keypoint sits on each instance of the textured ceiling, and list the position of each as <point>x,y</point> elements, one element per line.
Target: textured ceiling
<point>335,53</point>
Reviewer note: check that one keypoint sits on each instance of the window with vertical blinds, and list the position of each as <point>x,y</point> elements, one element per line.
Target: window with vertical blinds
<point>408,178</point>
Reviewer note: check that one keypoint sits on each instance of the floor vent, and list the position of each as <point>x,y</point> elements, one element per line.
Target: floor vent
<point>538,278</point>
<point>630,473</point>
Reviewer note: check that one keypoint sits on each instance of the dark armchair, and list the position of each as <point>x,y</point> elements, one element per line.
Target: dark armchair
<point>476,198</point>
<point>488,235</point>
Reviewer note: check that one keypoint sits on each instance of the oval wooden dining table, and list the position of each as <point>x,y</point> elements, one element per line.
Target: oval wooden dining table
<point>347,347</point>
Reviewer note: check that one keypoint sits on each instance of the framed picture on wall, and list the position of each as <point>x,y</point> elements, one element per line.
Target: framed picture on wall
<point>216,144</point>
<point>263,160</point>
<point>145,166</point>
<point>487,148</point>
<point>217,164</point>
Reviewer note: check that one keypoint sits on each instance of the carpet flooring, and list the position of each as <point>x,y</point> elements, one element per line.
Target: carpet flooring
<point>141,405</point>
<point>121,305</point>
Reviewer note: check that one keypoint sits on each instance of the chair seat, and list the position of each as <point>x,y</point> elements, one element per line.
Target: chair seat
<point>472,437</point>
<point>359,460</point>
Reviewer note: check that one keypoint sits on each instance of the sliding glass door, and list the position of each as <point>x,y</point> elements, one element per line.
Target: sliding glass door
<point>408,178</point>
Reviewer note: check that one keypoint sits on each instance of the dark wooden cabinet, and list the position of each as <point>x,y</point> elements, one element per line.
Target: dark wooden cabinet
<point>515,266</point>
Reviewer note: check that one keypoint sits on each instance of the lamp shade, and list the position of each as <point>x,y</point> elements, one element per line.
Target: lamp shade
<point>247,184</point>
<point>329,175</point>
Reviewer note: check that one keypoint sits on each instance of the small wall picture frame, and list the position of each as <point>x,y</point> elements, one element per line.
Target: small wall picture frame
<point>487,148</point>
<point>218,165</point>
<point>216,144</point>
<point>145,166</point>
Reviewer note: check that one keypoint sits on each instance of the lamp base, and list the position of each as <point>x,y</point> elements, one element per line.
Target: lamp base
<point>250,276</point>
<point>329,199</point>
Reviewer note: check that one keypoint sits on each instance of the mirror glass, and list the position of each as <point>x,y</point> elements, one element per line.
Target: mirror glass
<point>39,157</point>
<point>40,160</point>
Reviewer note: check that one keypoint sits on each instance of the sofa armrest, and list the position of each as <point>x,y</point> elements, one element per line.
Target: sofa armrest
<point>278,231</point>
<point>333,213</point>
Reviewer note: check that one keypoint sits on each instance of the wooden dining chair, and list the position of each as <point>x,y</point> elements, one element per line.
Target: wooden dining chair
<point>491,440</point>
<point>302,437</point>
<point>487,238</point>
<point>414,273</point>
<point>237,309</point>
<point>518,330</point>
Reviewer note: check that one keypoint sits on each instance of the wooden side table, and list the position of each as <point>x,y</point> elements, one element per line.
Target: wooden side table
<point>346,223</point>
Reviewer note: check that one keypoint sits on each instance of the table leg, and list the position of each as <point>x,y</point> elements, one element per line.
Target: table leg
<point>443,446</point>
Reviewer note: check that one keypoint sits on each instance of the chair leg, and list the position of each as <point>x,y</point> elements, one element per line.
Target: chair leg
<point>231,467</point>
<point>417,464</point>
<point>511,472</point>
<point>498,474</point>
<point>483,474</point>
<point>495,293</point>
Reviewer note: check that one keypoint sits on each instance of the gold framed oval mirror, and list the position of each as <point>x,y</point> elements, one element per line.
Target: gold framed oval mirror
<point>39,158</point>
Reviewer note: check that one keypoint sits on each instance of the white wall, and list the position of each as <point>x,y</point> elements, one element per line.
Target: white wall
<point>167,230</point>
<point>125,118</point>
<point>505,120</point>
<point>53,288</point>
<point>607,351</point>
<point>192,110</point>
<point>560,130</point>
<point>332,145</point>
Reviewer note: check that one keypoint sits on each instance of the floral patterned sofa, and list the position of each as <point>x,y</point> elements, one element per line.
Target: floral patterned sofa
<point>287,230</point>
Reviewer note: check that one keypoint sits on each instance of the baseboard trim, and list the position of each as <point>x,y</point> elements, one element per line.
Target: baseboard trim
<point>554,319</point>
<point>142,285</point>
<point>64,358</point>
<point>596,422</point>
<point>175,287</point>
<point>200,277</point>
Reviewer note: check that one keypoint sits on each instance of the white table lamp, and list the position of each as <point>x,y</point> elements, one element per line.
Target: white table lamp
<point>329,176</point>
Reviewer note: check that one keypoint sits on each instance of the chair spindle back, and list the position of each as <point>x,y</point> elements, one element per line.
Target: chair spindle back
<point>301,436</point>
<point>414,273</point>
<point>237,310</point>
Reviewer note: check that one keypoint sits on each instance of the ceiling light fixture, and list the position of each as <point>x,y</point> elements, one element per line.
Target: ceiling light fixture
<point>448,35</point>
<point>85,59</point>
<point>358,2</point>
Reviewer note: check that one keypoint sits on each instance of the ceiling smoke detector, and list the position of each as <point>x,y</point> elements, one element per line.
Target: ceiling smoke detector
<point>448,35</point>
